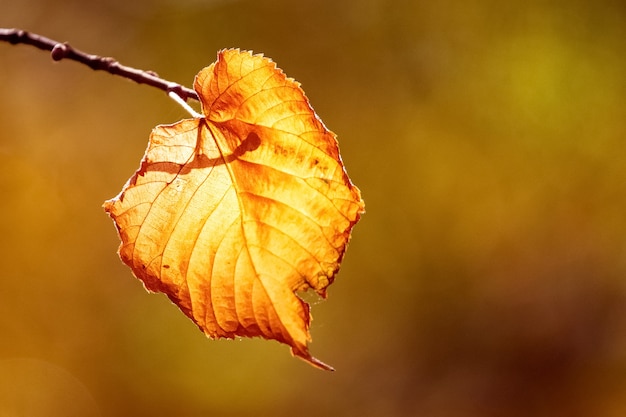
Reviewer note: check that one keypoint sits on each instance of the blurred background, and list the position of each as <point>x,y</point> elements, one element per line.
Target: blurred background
<point>487,278</point>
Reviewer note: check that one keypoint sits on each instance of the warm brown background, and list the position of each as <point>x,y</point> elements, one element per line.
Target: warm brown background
<point>488,277</point>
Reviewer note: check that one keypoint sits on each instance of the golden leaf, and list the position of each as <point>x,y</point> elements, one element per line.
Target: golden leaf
<point>231,214</point>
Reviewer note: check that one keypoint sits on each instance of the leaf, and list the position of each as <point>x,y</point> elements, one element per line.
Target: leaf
<point>231,214</point>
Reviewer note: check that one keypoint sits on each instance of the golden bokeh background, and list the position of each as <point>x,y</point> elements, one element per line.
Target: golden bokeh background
<point>487,278</point>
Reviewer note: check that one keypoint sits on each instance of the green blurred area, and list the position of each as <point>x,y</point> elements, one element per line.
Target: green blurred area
<point>487,278</point>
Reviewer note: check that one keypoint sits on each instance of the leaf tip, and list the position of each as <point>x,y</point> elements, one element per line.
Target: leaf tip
<point>108,205</point>
<point>306,356</point>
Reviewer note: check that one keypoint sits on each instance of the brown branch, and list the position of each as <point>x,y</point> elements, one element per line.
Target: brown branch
<point>61,51</point>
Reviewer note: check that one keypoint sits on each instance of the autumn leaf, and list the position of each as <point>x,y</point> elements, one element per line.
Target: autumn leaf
<point>231,214</point>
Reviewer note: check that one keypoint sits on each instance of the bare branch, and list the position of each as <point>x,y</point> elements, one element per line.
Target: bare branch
<point>61,51</point>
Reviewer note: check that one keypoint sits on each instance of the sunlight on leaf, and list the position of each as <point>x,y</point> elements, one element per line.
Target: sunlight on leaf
<point>231,214</point>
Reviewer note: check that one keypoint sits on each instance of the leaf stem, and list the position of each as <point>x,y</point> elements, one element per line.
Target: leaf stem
<point>64,50</point>
<point>178,99</point>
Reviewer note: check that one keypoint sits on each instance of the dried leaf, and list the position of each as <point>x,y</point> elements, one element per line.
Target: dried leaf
<point>231,214</point>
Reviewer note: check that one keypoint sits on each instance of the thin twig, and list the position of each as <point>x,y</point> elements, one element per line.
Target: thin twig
<point>61,51</point>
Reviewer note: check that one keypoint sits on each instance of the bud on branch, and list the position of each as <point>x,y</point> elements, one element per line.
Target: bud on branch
<point>60,51</point>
